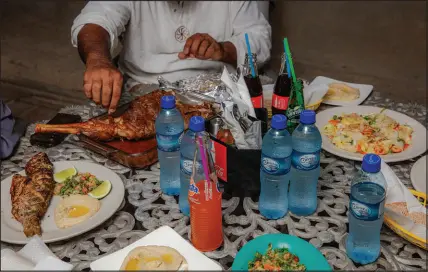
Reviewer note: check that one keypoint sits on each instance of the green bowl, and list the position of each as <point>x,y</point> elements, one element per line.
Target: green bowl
<point>308,255</point>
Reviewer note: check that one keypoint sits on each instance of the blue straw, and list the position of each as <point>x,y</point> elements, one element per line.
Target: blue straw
<point>250,55</point>
<point>287,62</point>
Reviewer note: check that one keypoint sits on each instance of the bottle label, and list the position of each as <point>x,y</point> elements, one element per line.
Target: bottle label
<point>275,166</point>
<point>305,161</point>
<point>186,166</point>
<point>257,101</point>
<point>366,211</point>
<point>280,102</point>
<point>169,143</point>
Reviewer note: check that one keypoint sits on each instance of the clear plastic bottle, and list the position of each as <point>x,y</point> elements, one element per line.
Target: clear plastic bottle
<point>275,168</point>
<point>305,165</point>
<point>187,151</point>
<point>169,129</point>
<point>366,207</point>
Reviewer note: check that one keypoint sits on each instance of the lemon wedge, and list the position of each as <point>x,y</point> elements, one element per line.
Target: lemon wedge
<point>102,190</point>
<point>61,176</point>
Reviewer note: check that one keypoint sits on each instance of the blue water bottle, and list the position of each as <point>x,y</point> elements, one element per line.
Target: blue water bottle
<point>187,151</point>
<point>305,165</point>
<point>169,129</point>
<point>366,206</point>
<point>275,168</point>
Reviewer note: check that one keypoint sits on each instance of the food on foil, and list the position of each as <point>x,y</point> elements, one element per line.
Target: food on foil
<point>372,133</point>
<point>341,92</point>
<point>32,194</point>
<point>75,209</point>
<point>278,259</point>
<point>138,122</point>
<point>154,258</point>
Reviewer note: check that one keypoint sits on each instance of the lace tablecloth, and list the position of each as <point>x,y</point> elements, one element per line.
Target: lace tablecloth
<point>146,208</point>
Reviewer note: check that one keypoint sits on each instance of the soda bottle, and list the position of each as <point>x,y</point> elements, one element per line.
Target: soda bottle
<point>187,152</point>
<point>275,168</point>
<point>296,105</point>
<point>366,206</point>
<point>169,129</point>
<point>305,165</point>
<point>281,90</point>
<point>205,199</point>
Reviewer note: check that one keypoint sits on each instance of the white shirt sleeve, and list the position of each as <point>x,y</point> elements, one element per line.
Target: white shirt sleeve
<point>111,15</point>
<point>246,18</point>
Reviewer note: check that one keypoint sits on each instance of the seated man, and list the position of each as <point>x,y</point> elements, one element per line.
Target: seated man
<point>175,39</point>
<point>9,136</point>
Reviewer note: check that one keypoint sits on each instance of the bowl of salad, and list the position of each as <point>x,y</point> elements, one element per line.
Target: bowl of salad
<point>279,252</point>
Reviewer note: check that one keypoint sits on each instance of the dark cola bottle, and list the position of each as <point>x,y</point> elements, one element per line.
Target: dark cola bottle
<point>282,90</point>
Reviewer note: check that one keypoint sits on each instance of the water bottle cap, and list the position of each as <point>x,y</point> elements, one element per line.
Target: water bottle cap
<point>371,163</point>
<point>197,123</point>
<point>279,121</point>
<point>168,102</point>
<point>307,117</point>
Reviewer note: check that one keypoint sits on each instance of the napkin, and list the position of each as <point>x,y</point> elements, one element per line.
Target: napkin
<point>314,93</point>
<point>35,255</point>
<point>397,192</point>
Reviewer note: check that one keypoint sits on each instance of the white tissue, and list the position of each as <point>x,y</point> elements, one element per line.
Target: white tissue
<point>10,260</point>
<point>397,192</point>
<point>314,93</point>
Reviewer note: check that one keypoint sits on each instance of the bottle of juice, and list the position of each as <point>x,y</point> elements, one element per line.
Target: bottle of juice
<point>205,199</point>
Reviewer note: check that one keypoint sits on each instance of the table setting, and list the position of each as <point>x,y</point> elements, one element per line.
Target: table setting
<point>121,210</point>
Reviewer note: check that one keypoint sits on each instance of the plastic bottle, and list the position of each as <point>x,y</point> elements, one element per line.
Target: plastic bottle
<point>169,129</point>
<point>275,168</point>
<point>281,90</point>
<point>366,206</point>
<point>187,151</point>
<point>205,199</point>
<point>305,165</point>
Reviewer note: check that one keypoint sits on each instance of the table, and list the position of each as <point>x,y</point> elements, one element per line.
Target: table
<point>145,208</point>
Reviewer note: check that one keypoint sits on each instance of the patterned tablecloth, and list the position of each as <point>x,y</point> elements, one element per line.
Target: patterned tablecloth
<point>145,208</point>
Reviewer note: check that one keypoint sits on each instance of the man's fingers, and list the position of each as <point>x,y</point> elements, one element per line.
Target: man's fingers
<point>203,48</point>
<point>117,88</point>
<point>106,91</point>
<point>181,55</point>
<point>188,44</point>
<point>87,88</point>
<point>195,45</point>
<point>96,91</point>
<point>210,51</point>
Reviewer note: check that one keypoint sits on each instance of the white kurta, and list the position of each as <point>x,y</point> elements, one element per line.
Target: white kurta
<point>156,32</point>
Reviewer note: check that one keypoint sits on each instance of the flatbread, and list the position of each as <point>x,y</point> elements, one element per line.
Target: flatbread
<point>154,258</point>
<point>400,207</point>
<point>419,218</point>
<point>341,92</point>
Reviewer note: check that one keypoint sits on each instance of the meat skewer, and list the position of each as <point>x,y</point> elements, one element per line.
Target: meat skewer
<point>31,195</point>
<point>138,122</point>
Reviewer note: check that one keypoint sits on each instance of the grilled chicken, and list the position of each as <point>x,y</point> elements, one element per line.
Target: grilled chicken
<point>31,195</point>
<point>138,122</point>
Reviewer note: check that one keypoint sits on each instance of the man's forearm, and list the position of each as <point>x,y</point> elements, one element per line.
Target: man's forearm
<point>229,56</point>
<point>93,43</point>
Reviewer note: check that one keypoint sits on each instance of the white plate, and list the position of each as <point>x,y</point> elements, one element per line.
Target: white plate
<point>418,175</point>
<point>417,147</point>
<point>365,91</point>
<point>12,230</point>
<point>163,236</point>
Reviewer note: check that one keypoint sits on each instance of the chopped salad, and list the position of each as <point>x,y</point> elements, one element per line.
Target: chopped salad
<point>278,259</point>
<point>373,133</point>
<point>80,184</point>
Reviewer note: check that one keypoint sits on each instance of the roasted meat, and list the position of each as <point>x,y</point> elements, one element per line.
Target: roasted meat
<point>138,122</point>
<point>31,195</point>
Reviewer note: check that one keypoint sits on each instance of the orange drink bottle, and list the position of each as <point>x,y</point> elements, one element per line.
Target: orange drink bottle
<point>205,200</point>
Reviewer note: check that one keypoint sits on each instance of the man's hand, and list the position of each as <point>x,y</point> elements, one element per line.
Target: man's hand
<point>102,83</point>
<point>202,46</point>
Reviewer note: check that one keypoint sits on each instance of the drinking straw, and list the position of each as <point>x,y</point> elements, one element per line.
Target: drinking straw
<point>287,61</point>
<point>290,60</point>
<point>203,158</point>
<point>250,56</point>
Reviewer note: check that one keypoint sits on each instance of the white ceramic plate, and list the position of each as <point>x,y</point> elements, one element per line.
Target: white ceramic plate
<point>418,147</point>
<point>12,230</point>
<point>163,236</point>
<point>365,91</point>
<point>418,175</point>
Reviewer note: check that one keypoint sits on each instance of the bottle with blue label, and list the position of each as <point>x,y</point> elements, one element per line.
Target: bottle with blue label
<point>274,169</point>
<point>187,151</point>
<point>305,165</point>
<point>366,207</point>
<point>169,129</point>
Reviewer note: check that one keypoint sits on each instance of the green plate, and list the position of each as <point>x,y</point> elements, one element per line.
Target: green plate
<point>311,257</point>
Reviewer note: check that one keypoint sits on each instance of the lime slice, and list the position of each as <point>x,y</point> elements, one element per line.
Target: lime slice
<point>61,176</point>
<point>102,190</point>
